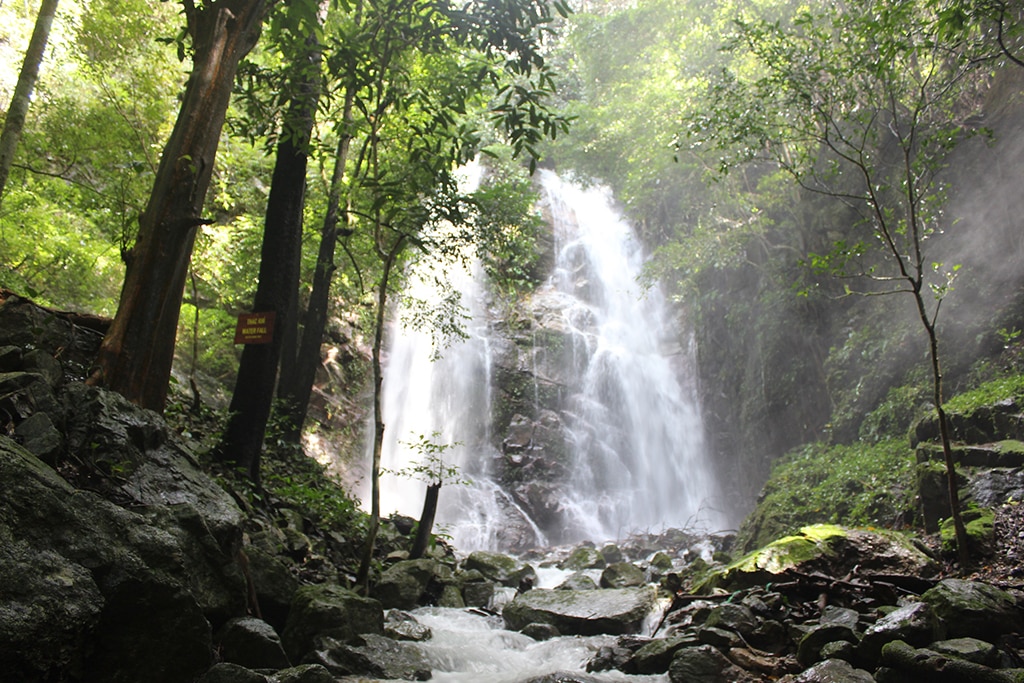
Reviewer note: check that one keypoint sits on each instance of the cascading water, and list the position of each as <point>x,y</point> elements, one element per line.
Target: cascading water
<point>637,442</point>
<point>608,417</point>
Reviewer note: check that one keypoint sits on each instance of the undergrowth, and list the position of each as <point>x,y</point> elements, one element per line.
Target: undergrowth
<point>862,484</point>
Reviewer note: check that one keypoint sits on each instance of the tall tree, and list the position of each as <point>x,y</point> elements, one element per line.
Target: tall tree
<point>861,106</point>
<point>136,355</point>
<point>417,115</point>
<point>281,254</point>
<point>18,110</point>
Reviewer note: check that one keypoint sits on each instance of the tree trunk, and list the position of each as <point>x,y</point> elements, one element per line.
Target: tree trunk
<point>16,113</point>
<point>297,388</point>
<point>426,525</point>
<point>952,488</point>
<point>277,290</point>
<point>135,357</point>
<point>363,577</point>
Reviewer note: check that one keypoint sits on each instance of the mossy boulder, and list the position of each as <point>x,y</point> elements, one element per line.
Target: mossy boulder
<point>975,609</point>
<point>981,531</point>
<point>499,568</point>
<point>826,548</point>
<point>584,557</point>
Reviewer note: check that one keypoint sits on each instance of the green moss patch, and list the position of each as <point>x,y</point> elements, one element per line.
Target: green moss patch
<point>863,484</point>
<point>980,523</point>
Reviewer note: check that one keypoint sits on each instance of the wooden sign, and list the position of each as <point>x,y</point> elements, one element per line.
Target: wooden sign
<point>255,328</point>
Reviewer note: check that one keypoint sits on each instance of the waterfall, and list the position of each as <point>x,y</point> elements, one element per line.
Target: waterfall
<point>639,461</point>
<point>607,438</point>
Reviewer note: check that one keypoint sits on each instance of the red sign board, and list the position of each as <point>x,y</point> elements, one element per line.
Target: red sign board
<point>255,328</point>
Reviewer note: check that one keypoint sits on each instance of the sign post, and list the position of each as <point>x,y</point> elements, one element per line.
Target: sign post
<point>255,328</point>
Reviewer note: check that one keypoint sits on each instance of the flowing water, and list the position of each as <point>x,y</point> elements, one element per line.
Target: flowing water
<point>629,408</point>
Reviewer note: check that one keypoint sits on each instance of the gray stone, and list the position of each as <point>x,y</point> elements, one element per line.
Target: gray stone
<point>252,643</point>
<point>226,672</point>
<point>577,581</point>
<point>403,626</point>
<point>810,645</point>
<point>499,568</point>
<point>332,611</point>
<point>834,671</point>
<point>275,585</point>
<point>404,584</point>
<point>40,437</point>
<point>721,638</point>
<point>540,631</point>
<point>915,623</point>
<point>622,575</point>
<point>612,553</point>
<point>372,655</point>
<point>925,664</point>
<point>974,609</point>
<point>611,611</point>
<point>843,616</point>
<point>732,616</point>
<point>43,363</point>
<point>304,673</point>
<point>970,649</point>
<point>655,656</point>
<point>702,664</point>
<point>478,593</point>
<point>564,677</point>
<point>123,583</point>
<point>584,557</point>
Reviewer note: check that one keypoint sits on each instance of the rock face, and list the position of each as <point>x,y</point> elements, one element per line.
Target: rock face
<point>112,584</point>
<point>588,612</point>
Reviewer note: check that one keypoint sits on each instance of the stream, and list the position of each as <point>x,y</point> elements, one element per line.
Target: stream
<point>472,646</point>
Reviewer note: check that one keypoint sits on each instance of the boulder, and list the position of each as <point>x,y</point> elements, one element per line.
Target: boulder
<point>540,631</point>
<point>611,611</point>
<point>274,583</point>
<point>738,618</point>
<point>409,584</point>
<point>584,557</point>
<point>372,655</point>
<point>703,664</point>
<point>90,586</point>
<point>499,568</point>
<point>225,672</point>
<point>908,663</point>
<point>332,611</point>
<point>656,656</point>
<point>304,673</point>
<point>975,609</point>
<point>403,626</point>
<point>969,649</point>
<point>577,581</point>
<point>828,549</point>
<point>564,677</point>
<point>915,623</point>
<point>622,575</point>
<point>476,590</point>
<point>834,671</point>
<point>817,637</point>
<point>252,643</point>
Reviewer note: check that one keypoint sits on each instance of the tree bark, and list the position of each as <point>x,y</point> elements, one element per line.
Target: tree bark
<point>426,525</point>
<point>297,388</point>
<point>14,123</point>
<point>135,357</point>
<point>277,290</point>
<point>363,577</point>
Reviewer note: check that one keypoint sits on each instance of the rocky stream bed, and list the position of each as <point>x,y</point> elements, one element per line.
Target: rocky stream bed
<point>122,561</point>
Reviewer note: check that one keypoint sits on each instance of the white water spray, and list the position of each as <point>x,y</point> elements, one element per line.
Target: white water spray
<point>639,458</point>
<point>629,408</point>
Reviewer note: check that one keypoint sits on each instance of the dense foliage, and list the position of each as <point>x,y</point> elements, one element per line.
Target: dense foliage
<point>665,97</point>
